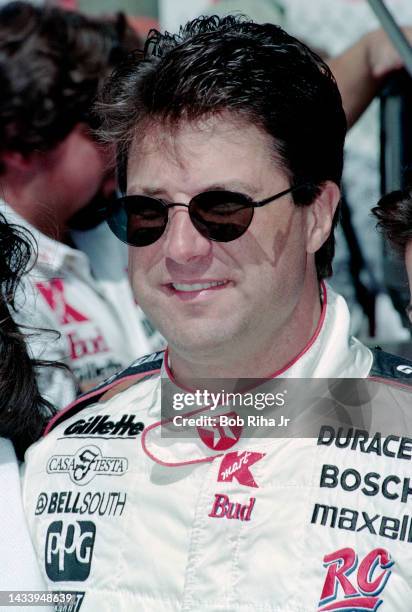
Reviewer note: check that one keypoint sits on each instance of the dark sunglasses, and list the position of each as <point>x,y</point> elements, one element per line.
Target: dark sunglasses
<point>222,216</point>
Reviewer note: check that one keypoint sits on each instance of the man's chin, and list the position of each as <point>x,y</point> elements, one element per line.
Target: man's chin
<point>200,341</point>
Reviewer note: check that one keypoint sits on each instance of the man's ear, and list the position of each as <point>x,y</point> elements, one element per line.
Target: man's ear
<point>320,216</point>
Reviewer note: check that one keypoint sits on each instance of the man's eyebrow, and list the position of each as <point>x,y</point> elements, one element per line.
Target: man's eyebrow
<point>153,191</point>
<point>233,186</point>
<point>149,191</point>
<point>238,186</point>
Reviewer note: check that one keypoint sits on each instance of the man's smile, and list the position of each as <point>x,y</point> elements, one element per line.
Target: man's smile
<point>190,290</point>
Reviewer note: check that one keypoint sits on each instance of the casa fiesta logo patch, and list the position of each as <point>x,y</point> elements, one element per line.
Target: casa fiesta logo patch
<point>87,463</point>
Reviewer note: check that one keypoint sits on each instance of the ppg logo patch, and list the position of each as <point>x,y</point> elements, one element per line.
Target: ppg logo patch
<point>69,550</point>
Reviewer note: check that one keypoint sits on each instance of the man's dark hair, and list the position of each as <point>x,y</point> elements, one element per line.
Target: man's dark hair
<point>52,64</point>
<point>24,413</point>
<point>394,215</point>
<point>257,72</point>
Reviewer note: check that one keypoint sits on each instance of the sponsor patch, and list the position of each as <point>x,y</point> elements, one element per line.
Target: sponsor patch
<point>355,520</point>
<point>390,486</point>
<point>221,437</point>
<point>354,586</point>
<point>237,465</point>
<point>224,508</point>
<point>85,464</point>
<point>53,292</point>
<point>360,440</point>
<point>103,426</point>
<point>101,503</point>
<point>69,550</point>
<point>89,346</point>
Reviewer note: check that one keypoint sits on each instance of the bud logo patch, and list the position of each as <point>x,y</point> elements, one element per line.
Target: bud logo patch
<point>69,550</point>
<point>349,586</point>
<point>224,508</point>
<point>221,437</point>
<point>236,465</point>
<point>85,464</point>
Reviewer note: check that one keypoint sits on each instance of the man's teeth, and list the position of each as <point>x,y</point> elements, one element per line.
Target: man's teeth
<point>196,286</point>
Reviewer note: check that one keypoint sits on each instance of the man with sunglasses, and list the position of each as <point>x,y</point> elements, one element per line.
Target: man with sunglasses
<point>230,147</point>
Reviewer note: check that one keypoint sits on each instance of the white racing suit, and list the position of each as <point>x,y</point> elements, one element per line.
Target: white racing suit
<point>128,520</point>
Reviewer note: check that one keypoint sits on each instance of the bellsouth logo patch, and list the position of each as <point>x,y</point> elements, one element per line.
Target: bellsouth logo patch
<point>221,437</point>
<point>354,586</point>
<point>237,465</point>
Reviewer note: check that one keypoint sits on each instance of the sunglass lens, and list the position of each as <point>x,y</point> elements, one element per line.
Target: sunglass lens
<point>138,220</point>
<point>117,220</point>
<point>221,215</point>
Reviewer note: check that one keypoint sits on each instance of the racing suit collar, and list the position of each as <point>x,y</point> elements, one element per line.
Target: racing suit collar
<point>330,353</point>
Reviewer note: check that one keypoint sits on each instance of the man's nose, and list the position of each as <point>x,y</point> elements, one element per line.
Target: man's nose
<point>183,242</point>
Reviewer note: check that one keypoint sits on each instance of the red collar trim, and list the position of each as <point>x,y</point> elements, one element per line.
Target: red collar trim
<point>292,362</point>
<point>274,375</point>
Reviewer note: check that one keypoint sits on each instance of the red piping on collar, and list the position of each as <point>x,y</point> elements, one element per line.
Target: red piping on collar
<point>180,463</point>
<point>169,373</point>
<point>314,337</point>
<point>295,359</point>
<point>390,383</point>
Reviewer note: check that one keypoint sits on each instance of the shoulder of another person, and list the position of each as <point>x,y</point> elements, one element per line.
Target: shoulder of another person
<point>390,368</point>
<point>141,369</point>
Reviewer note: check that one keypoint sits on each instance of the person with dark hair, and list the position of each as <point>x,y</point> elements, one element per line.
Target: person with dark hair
<point>23,417</point>
<point>56,180</point>
<point>24,413</point>
<point>230,139</point>
<point>394,215</point>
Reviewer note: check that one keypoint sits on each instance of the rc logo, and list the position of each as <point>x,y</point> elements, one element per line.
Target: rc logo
<point>358,593</point>
<point>69,550</point>
<point>221,437</point>
<point>85,464</point>
<point>237,465</point>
